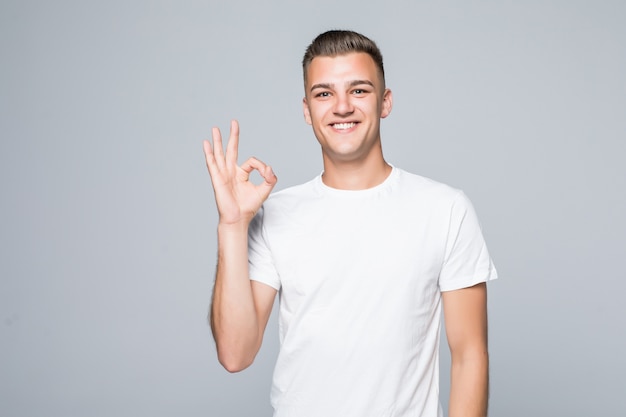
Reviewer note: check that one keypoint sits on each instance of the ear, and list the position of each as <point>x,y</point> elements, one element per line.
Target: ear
<point>307,112</point>
<point>387,103</point>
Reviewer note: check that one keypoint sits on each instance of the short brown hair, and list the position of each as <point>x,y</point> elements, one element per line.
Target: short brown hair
<point>342,42</point>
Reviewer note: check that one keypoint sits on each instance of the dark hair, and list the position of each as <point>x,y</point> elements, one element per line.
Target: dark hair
<point>341,42</point>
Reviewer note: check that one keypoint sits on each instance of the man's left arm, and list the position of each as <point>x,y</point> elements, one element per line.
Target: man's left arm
<point>465,314</point>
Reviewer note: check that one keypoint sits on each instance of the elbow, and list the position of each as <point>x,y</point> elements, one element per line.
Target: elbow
<point>235,353</point>
<point>478,358</point>
<point>234,366</point>
<point>233,363</point>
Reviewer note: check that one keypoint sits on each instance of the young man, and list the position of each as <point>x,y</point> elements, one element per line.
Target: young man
<point>363,257</point>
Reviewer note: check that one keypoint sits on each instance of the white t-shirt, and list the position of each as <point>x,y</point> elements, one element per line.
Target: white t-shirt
<point>360,275</point>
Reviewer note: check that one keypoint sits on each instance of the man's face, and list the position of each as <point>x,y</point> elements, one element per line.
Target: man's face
<point>344,102</point>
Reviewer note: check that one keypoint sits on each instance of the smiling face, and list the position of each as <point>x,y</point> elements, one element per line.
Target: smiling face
<point>345,100</point>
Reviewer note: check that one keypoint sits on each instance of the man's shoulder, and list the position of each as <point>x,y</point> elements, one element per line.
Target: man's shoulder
<point>418,185</point>
<point>295,191</point>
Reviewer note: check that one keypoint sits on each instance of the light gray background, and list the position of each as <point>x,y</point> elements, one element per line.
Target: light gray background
<point>107,218</point>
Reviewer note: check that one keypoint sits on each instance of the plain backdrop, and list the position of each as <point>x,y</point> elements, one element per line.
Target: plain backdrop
<point>107,217</point>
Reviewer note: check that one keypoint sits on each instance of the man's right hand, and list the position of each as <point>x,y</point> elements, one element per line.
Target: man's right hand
<point>238,199</point>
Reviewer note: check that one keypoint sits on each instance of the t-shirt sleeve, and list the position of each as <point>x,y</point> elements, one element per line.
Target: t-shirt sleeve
<point>260,262</point>
<point>466,261</point>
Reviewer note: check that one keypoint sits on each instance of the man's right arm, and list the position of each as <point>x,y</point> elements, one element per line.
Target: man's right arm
<point>240,308</point>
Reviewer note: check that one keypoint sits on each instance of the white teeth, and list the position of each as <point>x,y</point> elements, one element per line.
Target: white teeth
<point>342,126</point>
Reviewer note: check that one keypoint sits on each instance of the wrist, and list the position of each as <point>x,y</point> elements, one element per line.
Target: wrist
<point>228,227</point>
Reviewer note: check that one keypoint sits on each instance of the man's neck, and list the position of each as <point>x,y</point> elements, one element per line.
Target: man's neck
<point>355,175</point>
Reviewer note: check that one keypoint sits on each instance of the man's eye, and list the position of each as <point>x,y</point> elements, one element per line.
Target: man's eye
<point>323,94</point>
<point>358,91</point>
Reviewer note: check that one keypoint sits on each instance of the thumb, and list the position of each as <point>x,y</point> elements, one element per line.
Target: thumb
<point>269,181</point>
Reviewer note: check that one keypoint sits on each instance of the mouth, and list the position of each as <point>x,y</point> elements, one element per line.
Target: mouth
<point>343,126</point>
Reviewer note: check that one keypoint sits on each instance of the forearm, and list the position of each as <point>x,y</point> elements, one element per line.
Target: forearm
<point>234,319</point>
<point>469,387</point>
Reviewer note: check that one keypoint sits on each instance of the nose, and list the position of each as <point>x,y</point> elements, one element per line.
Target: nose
<point>343,105</point>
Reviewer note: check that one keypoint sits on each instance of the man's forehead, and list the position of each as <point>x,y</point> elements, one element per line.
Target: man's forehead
<point>355,65</point>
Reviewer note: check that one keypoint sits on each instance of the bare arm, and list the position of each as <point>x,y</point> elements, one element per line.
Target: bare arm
<point>240,308</point>
<point>465,313</point>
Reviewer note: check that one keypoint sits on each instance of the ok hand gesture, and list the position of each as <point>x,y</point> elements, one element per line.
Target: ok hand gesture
<point>238,199</point>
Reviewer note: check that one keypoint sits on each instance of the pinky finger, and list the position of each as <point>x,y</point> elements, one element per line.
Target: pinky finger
<point>208,155</point>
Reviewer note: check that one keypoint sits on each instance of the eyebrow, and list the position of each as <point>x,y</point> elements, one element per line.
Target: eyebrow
<point>352,83</point>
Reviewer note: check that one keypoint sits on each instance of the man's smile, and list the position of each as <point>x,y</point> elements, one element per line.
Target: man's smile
<point>343,126</point>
